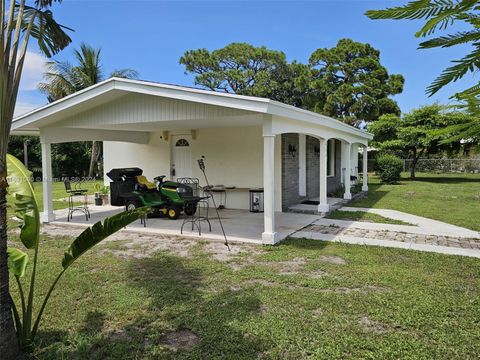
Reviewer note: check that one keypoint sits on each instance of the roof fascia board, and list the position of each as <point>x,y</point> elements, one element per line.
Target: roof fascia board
<point>64,103</point>
<point>292,112</point>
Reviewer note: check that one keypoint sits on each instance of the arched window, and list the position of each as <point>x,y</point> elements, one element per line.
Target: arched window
<point>182,142</point>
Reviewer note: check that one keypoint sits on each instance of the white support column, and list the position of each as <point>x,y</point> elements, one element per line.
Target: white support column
<point>323,205</point>
<point>47,214</point>
<point>365,169</point>
<point>302,165</point>
<point>269,235</point>
<point>354,163</point>
<point>348,168</point>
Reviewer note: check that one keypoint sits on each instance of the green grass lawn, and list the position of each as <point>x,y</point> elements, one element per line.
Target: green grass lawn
<point>59,193</point>
<point>301,299</point>
<point>453,198</point>
<point>363,216</point>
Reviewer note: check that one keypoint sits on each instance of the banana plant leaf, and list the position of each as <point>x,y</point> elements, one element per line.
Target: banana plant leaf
<point>98,232</point>
<point>17,262</point>
<point>25,202</point>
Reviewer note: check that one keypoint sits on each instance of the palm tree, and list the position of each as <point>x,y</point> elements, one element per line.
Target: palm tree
<point>63,79</point>
<point>19,23</point>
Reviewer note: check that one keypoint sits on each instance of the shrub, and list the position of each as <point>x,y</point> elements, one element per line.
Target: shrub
<point>389,168</point>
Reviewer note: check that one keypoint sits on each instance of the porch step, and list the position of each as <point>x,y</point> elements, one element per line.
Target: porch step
<point>312,209</point>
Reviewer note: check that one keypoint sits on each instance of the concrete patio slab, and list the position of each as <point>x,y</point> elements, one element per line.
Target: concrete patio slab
<point>240,225</point>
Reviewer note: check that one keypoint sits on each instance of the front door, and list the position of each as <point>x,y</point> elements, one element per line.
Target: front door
<point>181,156</point>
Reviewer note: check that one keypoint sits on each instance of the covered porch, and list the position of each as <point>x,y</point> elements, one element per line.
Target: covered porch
<point>239,225</point>
<point>242,139</point>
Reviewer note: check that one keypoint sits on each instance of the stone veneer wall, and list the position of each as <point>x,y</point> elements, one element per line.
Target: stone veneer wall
<point>290,165</point>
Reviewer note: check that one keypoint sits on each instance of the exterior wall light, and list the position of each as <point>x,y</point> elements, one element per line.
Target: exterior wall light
<point>292,150</point>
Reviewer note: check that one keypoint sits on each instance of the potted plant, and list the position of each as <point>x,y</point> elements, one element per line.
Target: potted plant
<point>104,195</point>
<point>98,199</point>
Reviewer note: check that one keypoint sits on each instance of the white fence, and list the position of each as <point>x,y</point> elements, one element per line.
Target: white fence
<point>444,165</point>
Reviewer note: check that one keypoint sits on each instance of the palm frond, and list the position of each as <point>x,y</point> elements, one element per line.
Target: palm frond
<point>469,63</point>
<point>472,91</point>
<point>439,13</point>
<point>452,40</point>
<point>414,10</point>
<point>50,35</point>
<point>58,80</point>
<point>45,3</point>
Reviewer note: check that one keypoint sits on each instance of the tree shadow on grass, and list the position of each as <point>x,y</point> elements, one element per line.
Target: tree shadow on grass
<point>185,302</point>
<point>306,244</point>
<point>445,180</point>
<point>179,303</point>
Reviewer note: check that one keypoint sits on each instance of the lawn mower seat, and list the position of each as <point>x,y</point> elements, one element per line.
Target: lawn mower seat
<point>144,184</point>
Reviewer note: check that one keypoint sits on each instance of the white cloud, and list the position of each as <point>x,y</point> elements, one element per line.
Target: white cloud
<point>22,107</point>
<point>33,70</point>
<point>29,97</point>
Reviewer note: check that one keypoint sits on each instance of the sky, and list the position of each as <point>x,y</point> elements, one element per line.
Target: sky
<point>151,36</point>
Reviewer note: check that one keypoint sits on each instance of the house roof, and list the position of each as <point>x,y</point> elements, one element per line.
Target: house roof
<point>114,88</point>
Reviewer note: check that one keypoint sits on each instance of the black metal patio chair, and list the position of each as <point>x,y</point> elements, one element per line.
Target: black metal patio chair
<point>73,193</point>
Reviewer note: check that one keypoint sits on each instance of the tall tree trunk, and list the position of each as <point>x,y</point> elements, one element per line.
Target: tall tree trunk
<point>413,165</point>
<point>94,158</point>
<point>412,168</point>
<point>9,348</point>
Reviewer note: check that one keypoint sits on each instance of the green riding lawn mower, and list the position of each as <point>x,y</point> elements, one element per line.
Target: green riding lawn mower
<point>130,188</point>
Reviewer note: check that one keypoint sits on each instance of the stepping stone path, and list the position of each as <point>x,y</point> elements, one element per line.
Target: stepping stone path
<point>459,242</point>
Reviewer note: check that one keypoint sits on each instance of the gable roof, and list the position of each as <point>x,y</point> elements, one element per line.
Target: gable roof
<point>113,88</point>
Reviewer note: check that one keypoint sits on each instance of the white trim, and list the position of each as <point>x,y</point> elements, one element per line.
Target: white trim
<point>47,214</point>
<point>331,153</point>
<point>302,165</point>
<point>269,234</point>
<point>323,206</point>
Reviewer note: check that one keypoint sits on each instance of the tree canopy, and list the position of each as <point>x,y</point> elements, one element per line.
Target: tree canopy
<point>347,81</point>
<point>350,83</point>
<point>420,133</point>
<point>237,68</point>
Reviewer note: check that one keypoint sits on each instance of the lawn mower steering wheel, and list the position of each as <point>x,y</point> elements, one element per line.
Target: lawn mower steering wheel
<point>159,178</point>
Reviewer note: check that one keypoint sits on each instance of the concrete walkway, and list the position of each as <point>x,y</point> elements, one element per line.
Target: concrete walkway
<point>424,235</point>
<point>424,225</point>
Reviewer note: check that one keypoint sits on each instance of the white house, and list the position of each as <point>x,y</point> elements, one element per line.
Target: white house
<point>248,142</point>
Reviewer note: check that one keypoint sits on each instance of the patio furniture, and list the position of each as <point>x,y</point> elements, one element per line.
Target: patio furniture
<point>221,191</point>
<point>73,193</point>
<point>256,200</point>
<point>202,205</point>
